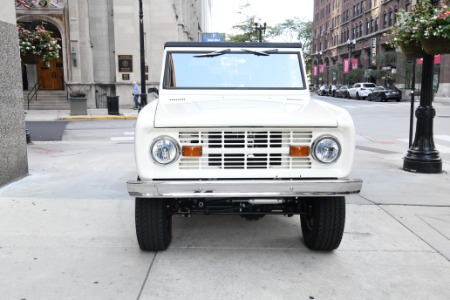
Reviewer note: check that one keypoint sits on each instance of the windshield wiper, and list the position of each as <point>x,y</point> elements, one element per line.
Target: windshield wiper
<point>260,53</point>
<point>214,53</point>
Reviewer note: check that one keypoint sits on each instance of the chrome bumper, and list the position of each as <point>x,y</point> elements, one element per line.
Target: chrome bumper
<point>243,188</point>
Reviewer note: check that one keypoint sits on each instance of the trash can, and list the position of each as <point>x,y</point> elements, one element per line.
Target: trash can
<point>113,105</point>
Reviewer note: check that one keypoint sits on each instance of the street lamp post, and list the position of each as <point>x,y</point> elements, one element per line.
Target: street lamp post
<point>319,57</point>
<point>351,44</point>
<point>422,156</point>
<point>142,53</point>
<point>261,28</point>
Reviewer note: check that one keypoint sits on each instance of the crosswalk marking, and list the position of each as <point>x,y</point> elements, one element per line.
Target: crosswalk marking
<point>440,148</point>
<point>128,138</point>
<point>443,137</point>
<point>368,105</point>
<point>122,138</point>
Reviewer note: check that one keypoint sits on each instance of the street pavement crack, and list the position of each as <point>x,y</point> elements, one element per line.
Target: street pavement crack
<point>431,226</point>
<point>146,277</point>
<point>418,236</point>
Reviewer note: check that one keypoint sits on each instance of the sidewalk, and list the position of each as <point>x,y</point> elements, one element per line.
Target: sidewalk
<point>67,232</point>
<point>92,114</point>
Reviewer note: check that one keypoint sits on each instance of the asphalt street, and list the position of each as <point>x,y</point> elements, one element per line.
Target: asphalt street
<point>46,130</point>
<point>67,229</point>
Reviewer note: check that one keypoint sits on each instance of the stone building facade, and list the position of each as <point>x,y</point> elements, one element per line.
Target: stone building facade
<point>357,29</point>
<point>13,149</point>
<point>100,42</point>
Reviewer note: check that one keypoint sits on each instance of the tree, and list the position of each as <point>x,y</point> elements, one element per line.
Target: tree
<point>246,29</point>
<point>295,30</point>
<point>291,30</point>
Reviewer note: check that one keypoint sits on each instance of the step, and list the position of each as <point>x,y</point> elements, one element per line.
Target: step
<point>47,105</point>
<point>47,100</point>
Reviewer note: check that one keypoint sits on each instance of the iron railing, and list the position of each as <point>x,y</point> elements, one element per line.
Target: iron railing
<point>34,92</point>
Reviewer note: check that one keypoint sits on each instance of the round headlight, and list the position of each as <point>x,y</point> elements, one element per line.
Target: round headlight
<point>326,150</point>
<point>164,150</point>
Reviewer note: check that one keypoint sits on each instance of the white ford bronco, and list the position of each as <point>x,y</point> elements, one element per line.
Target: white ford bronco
<point>234,131</point>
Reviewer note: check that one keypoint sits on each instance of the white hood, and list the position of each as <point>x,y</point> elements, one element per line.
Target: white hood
<point>244,113</point>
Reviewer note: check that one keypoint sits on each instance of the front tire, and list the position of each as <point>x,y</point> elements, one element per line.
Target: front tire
<point>153,224</point>
<point>323,222</point>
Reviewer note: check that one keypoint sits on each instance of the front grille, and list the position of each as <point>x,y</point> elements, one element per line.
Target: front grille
<point>245,149</point>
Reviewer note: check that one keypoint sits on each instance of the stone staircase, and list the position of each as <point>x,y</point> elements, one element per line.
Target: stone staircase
<point>47,100</point>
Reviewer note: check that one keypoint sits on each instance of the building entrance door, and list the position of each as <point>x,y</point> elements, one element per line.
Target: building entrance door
<point>51,75</point>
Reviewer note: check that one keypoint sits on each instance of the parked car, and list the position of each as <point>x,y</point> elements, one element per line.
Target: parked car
<point>334,88</point>
<point>323,90</point>
<point>381,93</point>
<point>361,90</point>
<point>342,92</point>
<point>217,143</point>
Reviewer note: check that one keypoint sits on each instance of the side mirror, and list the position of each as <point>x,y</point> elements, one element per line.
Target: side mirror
<point>153,90</point>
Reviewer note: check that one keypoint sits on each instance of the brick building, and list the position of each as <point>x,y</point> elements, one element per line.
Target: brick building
<point>350,44</point>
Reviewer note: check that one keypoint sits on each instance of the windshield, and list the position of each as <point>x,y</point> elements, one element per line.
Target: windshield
<point>234,70</point>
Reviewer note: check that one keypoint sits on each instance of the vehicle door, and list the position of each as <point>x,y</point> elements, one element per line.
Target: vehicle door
<point>354,89</point>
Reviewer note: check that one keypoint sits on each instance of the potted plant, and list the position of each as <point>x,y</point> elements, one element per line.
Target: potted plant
<point>436,35</point>
<point>407,34</point>
<point>425,29</point>
<point>37,45</point>
<point>78,101</point>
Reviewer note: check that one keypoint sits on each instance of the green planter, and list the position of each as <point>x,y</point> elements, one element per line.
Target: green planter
<point>412,50</point>
<point>31,59</point>
<point>78,106</point>
<point>435,45</point>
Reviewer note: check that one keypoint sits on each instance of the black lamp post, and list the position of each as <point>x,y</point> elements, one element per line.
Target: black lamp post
<point>319,57</point>
<point>422,156</point>
<point>261,28</point>
<point>328,75</point>
<point>142,52</point>
<point>351,44</point>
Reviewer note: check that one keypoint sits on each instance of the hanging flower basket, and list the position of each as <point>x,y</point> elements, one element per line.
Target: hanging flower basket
<point>38,42</point>
<point>412,50</point>
<point>436,45</point>
<point>31,59</point>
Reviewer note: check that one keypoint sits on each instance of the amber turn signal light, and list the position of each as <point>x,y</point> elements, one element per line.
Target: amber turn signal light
<point>192,151</point>
<point>299,150</point>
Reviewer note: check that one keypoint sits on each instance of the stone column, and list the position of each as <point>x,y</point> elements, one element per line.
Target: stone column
<point>13,147</point>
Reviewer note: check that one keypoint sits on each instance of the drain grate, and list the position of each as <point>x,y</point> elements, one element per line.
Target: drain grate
<point>376,150</point>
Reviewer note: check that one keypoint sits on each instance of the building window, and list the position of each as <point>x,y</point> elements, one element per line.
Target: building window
<point>385,20</point>
<point>390,18</point>
<point>376,24</point>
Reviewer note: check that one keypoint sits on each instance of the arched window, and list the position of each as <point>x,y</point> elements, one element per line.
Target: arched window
<point>390,17</point>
